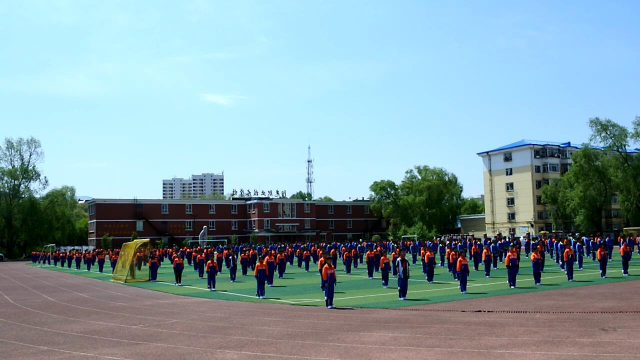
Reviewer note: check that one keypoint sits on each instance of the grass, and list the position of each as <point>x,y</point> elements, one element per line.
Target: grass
<point>356,290</point>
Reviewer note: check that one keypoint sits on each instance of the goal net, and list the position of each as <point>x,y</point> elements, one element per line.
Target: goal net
<point>133,262</point>
<point>46,254</point>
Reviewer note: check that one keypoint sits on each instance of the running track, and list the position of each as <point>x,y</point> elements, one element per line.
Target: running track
<point>62,316</point>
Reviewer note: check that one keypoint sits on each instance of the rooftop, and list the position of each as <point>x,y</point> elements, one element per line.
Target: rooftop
<point>524,142</point>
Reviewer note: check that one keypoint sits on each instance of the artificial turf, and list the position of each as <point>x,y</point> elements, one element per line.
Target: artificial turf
<point>356,290</point>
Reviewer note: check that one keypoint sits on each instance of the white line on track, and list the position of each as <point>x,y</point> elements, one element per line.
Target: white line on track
<point>60,350</point>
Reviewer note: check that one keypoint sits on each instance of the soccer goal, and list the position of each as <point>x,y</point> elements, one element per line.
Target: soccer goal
<point>46,254</point>
<point>209,243</point>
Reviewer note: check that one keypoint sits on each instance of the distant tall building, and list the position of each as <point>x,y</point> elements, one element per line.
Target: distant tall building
<point>194,187</point>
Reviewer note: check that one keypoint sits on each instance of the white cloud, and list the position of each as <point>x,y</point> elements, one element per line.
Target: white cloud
<point>226,100</point>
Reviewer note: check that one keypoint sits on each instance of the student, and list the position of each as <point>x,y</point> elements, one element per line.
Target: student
<point>625,254</point>
<point>569,257</point>
<point>306,256</point>
<point>139,260</point>
<point>385,268</point>
<point>101,262</point>
<point>462,268</point>
<point>370,256</point>
<point>442,249</point>
<point>154,264</point>
<point>511,262</point>
<point>219,260</point>
<point>88,261</point>
<point>63,259</point>
<point>376,259</point>
<point>487,260</point>
<point>244,263</point>
<point>114,260</point>
<point>580,254</point>
<point>200,264</point>
<point>403,276</point>
<point>356,257</point>
<point>494,254</point>
<point>282,264</point>
<point>536,262</point>
<point>233,266</point>
<point>602,259</point>
<point>394,261</point>
<point>334,257</point>
<point>190,257</point>
<point>78,258</point>
<point>527,246</point>
<point>261,273</point>
<point>212,272</point>
<point>475,254</point>
<point>347,262</point>
<point>329,281</point>
<point>271,267</point>
<point>178,267</point>
<point>430,260</point>
<point>453,261</point>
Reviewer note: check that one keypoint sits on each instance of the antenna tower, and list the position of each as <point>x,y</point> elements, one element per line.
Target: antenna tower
<point>310,179</point>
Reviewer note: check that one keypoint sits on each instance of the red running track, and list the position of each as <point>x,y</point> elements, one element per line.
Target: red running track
<point>61,316</point>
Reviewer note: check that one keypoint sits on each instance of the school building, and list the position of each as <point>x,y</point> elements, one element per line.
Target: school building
<point>270,219</point>
<point>514,176</point>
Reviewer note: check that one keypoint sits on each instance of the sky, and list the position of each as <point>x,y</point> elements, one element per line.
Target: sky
<point>123,94</point>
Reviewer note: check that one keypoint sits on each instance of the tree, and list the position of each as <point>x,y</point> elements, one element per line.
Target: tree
<point>253,239</point>
<point>376,238</point>
<point>301,195</point>
<point>324,198</point>
<point>134,236</point>
<point>472,206</point>
<point>427,202</point>
<point>106,242</point>
<point>20,179</point>
<point>233,239</point>
<point>625,167</point>
<point>214,196</point>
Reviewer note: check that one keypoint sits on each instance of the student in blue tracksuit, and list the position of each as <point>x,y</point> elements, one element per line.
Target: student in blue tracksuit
<point>329,281</point>
<point>580,254</point>
<point>494,254</point>
<point>463,272</point>
<point>609,243</point>
<point>212,272</point>
<point>569,257</point>
<point>442,249</point>
<point>487,259</point>
<point>536,265</point>
<point>261,272</point>
<point>403,275</point>
<point>414,253</point>
<point>154,264</point>
<point>233,266</point>
<point>511,262</point>
<point>625,255</point>
<point>527,247</point>
<point>602,259</point>
<point>561,248</point>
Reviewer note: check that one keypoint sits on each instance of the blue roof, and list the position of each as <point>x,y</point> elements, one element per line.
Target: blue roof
<point>523,142</point>
<point>530,142</point>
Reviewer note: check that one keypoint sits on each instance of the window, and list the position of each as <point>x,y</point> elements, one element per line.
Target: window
<point>165,208</point>
<point>539,200</point>
<point>267,223</point>
<point>545,182</point>
<point>545,168</point>
<point>248,224</point>
<point>366,209</point>
<point>349,224</point>
<point>249,208</point>
<point>512,230</point>
<point>287,210</point>
<point>92,209</point>
<point>511,217</point>
<point>331,224</point>
<point>543,215</point>
<point>538,169</point>
<point>614,200</point>
<point>509,171</point>
<point>188,208</point>
<point>538,184</point>
<point>234,225</point>
<point>212,225</point>
<point>507,157</point>
<point>511,201</point>
<point>188,225</point>
<point>323,237</point>
<point>140,225</point>
<point>92,226</point>
<point>287,228</point>
<point>348,209</point>
<point>554,168</point>
<point>266,207</point>
<point>212,208</point>
<point>253,224</point>
<point>307,207</point>
<point>330,209</point>
<point>307,223</point>
<point>509,186</point>
<point>536,154</point>
<point>234,209</point>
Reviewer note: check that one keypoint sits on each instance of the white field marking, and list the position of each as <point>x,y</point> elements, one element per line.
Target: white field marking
<point>297,330</point>
<point>60,350</point>
<point>163,344</point>
<point>300,341</point>
<point>226,292</point>
<point>155,323</point>
<point>314,358</point>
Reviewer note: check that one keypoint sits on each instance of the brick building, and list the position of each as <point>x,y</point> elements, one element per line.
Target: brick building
<point>272,220</point>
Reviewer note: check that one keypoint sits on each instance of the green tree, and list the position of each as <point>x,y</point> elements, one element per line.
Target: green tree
<point>253,239</point>
<point>324,198</point>
<point>427,202</point>
<point>134,236</point>
<point>20,179</point>
<point>472,206</point>
<point>214,196</point>
<point>233,239</point>
<point>376,238</point>
<point>106,242</point>
<point>301,195</point>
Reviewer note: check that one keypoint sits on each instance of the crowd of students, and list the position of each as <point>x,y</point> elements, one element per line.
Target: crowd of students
<point>386,257</point>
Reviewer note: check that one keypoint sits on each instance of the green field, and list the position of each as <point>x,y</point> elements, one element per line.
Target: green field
<point>356,290</point>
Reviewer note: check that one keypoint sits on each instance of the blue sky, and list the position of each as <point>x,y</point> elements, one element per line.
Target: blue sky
<point>124,94</point>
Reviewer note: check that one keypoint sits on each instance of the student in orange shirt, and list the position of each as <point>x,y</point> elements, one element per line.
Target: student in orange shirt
<point>356,257</point>
<point>403,276</point>
<point>453,260</point>
<point>306,256</point>
<point>625,254</point>
<point>154,264</point>
<point>178,267</point>
<point>462,267</point>
<point>270,261</point>
<point>347,262</point>
<point>282,264</point>
<point>233,266</point>
<point>536,265</point>
<point>487,260</point>
<point>430,262</point>
<point>329,281</point>
<point>212,272</point>
<point>200,264</point>
<point>244,263</point>
<point>261,272</point>
<point>385,268</point>
<point>602,259</point>
<point>219,260</point>
<point>511,262</point>
<point>370,259</point>
<point>569,258</point>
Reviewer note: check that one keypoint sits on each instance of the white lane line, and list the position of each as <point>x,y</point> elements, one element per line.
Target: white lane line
<point>60,350</point>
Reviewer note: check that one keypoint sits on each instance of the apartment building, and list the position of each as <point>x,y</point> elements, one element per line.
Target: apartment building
<point>194,187</point>
<point>514,176</point>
